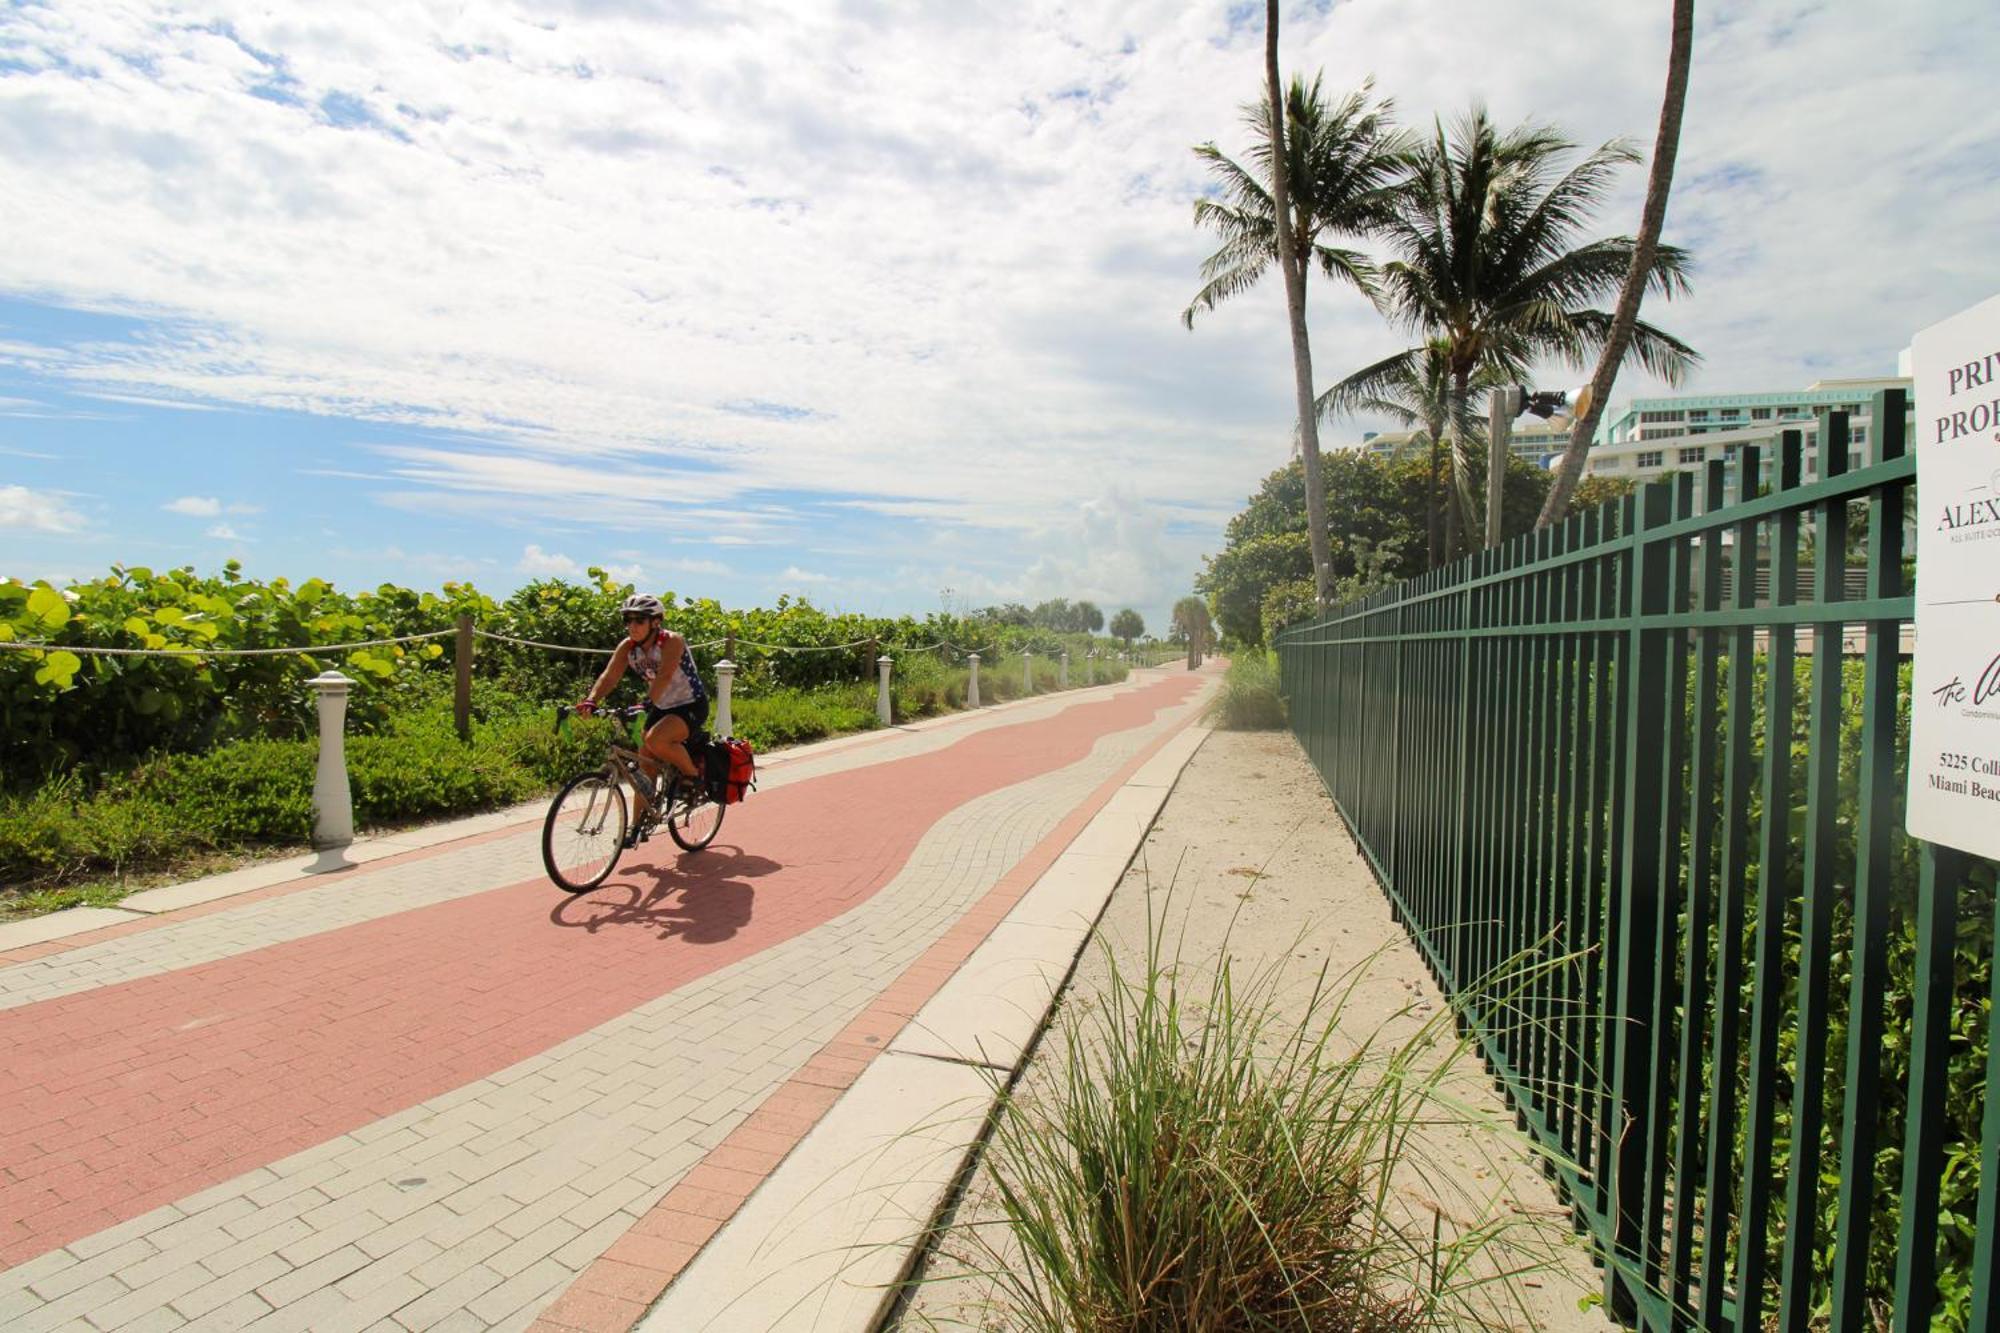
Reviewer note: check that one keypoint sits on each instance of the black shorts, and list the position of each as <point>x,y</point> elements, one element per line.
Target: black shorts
<point>694,714</point>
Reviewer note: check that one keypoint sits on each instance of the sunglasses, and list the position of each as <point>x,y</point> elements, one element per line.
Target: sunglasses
<point>638,620</point>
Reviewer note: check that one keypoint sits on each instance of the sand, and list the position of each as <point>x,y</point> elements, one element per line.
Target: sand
<point>1250,855</point>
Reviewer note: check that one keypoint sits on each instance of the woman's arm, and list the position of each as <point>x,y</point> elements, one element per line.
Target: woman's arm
<point>673,652</point>
<point>614,671</point>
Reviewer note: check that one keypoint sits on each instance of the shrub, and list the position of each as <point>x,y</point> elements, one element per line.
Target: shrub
<point>786,716</point>
<point>1249,699</point>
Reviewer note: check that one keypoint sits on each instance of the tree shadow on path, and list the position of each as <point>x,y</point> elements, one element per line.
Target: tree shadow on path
<point>700,897</point>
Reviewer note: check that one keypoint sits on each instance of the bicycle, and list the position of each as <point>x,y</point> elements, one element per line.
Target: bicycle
<point>588,827</point>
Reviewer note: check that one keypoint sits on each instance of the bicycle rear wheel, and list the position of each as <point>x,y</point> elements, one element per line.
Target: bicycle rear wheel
<point>692,826</point>
<point>585,832</point>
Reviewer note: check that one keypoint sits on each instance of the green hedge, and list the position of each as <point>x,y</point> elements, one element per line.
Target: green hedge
<point>176,808</point>
<point>63,711</point>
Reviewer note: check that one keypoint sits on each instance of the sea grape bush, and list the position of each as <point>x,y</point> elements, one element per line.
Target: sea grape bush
<point>62,711</point>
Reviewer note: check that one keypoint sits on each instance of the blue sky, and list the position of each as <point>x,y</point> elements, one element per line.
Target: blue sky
<point>835,298</point>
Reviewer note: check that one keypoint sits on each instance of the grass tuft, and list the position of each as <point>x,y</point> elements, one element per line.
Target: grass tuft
<point>1249,699</point>
<point>1216,1160</point>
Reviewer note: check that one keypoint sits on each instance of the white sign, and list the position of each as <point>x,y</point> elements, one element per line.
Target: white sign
<point>1955,682</point>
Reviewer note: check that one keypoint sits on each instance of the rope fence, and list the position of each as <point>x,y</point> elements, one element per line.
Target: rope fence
<point>189,650</point>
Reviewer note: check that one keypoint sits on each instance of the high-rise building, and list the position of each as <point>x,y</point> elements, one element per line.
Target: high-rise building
<point>1650,437</point>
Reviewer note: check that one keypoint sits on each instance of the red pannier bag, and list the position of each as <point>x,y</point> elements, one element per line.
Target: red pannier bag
<point>742,771</point>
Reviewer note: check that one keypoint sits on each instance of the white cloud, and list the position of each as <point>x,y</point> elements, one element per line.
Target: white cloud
<point>222,532</point>
<point>927,261</point>
<point>626,573</point>
<point>36,511</point>
<point>697,566</point>
<point>194,506</point>
<point>793,574</point>
<point>541,564</point>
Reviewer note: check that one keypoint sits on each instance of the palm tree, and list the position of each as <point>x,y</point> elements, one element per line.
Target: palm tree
<point>1331,171</point>
<point>1659,183</point>
<point>1417,394</point>
<point>1191,623</point>
<point>1488,261</point>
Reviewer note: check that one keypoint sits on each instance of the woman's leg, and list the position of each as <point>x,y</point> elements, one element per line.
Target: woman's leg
<point>666,741</point>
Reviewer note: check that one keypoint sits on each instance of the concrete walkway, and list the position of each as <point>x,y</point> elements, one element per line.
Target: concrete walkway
<point>433,1091</point>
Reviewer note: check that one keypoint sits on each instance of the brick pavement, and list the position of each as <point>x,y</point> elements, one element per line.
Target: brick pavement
<point>438,1115</point>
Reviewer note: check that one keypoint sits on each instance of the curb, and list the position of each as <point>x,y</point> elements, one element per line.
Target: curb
<point>824,1241</point>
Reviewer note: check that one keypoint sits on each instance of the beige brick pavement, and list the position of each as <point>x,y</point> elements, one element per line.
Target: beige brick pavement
<point>475,1208</point>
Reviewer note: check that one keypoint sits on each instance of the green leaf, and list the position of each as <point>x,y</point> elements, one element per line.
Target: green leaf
<point>170,615</point>
<point>137,627</point>
<point>59,670</point>
<point>49,606</point>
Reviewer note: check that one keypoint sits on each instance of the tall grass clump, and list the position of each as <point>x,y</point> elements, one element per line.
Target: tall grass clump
<point>1249,699</point>
<point>1222,1161</point>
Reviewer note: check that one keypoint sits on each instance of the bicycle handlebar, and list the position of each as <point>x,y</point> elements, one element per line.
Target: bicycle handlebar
<point>624,713</point>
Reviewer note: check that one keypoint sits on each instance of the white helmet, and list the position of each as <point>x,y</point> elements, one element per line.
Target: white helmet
<point>643,604</point>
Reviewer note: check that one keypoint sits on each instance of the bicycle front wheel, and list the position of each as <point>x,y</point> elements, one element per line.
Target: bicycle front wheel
<point>692,824</point>
<point>584,833</point>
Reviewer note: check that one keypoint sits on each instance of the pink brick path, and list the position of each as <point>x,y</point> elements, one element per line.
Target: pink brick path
<point>132,1095</point>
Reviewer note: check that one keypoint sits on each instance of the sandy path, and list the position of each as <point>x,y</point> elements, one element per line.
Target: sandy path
<point>1248,853</point>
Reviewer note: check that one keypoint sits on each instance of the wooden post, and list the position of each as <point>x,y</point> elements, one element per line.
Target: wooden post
<point>729,645</point>
<point>461,703</point>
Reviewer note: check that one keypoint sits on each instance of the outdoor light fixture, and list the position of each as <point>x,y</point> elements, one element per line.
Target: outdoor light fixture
<point>1543,405</point>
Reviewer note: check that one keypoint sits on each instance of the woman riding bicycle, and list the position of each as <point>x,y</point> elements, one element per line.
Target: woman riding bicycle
<point>676,702</point>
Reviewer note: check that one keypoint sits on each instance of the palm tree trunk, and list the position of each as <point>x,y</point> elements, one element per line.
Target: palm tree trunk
<point>1658,185</point>
<point>1433,501</point>
<point>1293,265</point>
<point>1501,409</point>
<point>1457,520</point>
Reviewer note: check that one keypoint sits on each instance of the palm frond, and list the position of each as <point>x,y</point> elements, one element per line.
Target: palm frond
<point>1375,381</point>
<point>1661,354</point>
<point>1220,288</point>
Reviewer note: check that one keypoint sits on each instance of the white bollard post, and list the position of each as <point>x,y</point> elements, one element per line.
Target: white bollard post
<point>1090,667</point>
<point>972,684</point>
<point>1027,672</point>
<point>882,665</point>
<point>1062,671</point>
<point>725,684</point>
<point>333,802</point>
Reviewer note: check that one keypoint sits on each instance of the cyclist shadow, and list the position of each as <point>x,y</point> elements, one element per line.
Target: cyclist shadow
<point>699,897</point>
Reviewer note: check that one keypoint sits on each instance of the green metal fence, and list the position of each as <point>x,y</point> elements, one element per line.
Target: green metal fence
<point>1761,1059</point>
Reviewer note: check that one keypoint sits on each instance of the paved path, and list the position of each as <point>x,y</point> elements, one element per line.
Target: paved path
<point>433,1091</point>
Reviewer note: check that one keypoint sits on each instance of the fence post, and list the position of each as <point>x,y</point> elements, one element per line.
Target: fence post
<point>1645,685</point>
<point>333,803</point>
<point>725,685</point>
<point>461,700</point>
<point>972,682</point>
<point>1090,667</point>
<point>1027,672</point>
<point>1062,671</point>
<point>882,665</point>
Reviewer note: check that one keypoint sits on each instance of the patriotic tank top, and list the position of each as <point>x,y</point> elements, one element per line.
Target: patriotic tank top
<point>686,686</point>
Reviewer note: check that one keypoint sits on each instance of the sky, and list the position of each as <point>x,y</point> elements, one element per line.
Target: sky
<point>872,303</point>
